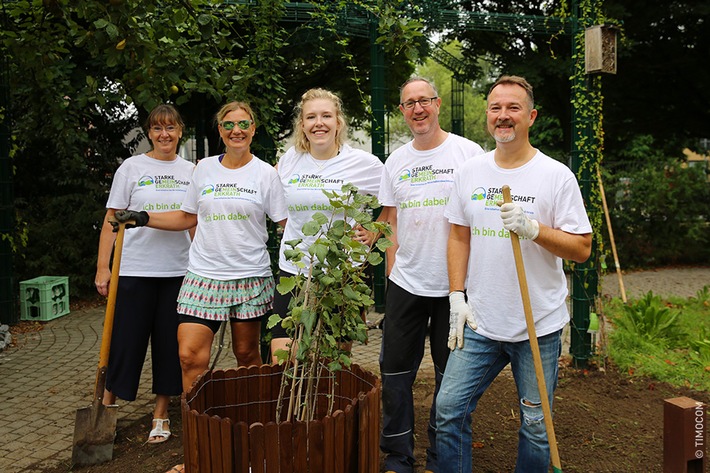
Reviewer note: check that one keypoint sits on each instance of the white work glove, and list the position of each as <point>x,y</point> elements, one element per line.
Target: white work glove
<point>460,313</point>
<point>515,220</point>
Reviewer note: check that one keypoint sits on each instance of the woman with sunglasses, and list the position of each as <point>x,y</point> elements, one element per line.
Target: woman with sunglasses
<point>152,268</point>
<point>319,160</point>
<point>229,274</point>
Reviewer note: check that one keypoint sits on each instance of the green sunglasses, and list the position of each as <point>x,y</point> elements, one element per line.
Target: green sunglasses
<point>242,124</point>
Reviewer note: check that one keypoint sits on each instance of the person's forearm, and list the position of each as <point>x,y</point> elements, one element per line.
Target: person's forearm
<point>106,240</point>
<point>457,252</point>
<point>175,220</point>
<point>567,246</point>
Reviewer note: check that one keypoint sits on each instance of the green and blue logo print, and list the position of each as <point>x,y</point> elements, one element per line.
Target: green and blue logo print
<point>145,181</point>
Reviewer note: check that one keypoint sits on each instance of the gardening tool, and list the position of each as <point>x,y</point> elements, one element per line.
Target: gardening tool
<point>95,426</point>
<point>537,359</point>
<point>611,237</point>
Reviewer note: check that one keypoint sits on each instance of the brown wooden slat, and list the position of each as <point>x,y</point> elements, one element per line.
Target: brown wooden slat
<point>271,443</point>
<point>374,438</point>
<point>329,446</point>
<point>256,447</point>
<point>363,433</point>
<point>209,391</point>
<point>300,444</point>
<point>253,395</point>
<point>339,420</point>
<point>215,432</point>
<point>286,447</point>
<point>265,413</point>
<point>230,394</point>
<point>316,453</point>
<point>350,439</point>
<point>242,393</point>
<point>218,394</point>
<point>193,459</point>
<point>277,374</point>
<point>203,444</point>
<point>225,430</point>
<point>240,447</point>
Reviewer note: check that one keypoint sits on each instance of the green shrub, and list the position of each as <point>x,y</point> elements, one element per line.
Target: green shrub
<point>660,214</point>
<point>648,319</point>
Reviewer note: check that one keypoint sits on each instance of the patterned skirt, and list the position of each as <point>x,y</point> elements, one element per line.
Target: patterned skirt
<point>210,299</point>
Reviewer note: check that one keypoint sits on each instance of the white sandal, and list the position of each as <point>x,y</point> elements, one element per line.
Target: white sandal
<point>160,433</point>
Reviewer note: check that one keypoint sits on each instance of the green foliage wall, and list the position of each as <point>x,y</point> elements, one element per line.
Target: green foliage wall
<point>660,214</point>
<point>75,67</point>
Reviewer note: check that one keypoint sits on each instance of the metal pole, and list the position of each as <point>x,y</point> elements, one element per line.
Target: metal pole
<point>584,276</point>
<point>8,314</point>
<point>377,59</point>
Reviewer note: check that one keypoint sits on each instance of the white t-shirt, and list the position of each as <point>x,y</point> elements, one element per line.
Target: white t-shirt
<point>304,179</point>
<point>231,207</point>
<point>418,184</point>
<point>548,192</point>
<point>145,183</point>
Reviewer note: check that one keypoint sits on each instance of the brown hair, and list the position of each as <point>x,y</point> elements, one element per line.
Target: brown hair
<point>515,80</point>
<point>164,114</point>
<point>301,142</point>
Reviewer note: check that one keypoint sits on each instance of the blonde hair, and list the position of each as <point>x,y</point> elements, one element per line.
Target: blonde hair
<point>164,114</point>
<point>232,106</point>
<point>301,141</point>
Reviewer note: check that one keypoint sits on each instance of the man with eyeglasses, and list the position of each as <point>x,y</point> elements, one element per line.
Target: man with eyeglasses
<point>414,190</point>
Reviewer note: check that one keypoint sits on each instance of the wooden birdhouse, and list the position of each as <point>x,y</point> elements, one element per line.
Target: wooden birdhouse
<point>600,49</point>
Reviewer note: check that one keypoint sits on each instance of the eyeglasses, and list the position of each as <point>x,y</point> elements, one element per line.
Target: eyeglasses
<point>242,124</point>
<point>425,102</point>
<point>159,129</point>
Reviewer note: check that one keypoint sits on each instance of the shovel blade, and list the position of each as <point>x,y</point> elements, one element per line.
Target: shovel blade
<point>94,432</point>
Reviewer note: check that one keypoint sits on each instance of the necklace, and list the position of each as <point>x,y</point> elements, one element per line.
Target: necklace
<point>320,163</point>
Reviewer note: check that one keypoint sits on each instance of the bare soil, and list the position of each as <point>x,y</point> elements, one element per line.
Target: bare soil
<point>605,421</point>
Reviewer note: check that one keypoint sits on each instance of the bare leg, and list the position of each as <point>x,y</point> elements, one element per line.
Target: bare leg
<point>194,342</point>
<point>245,342</point>
<point>279,344</point>
<point>109,398</point>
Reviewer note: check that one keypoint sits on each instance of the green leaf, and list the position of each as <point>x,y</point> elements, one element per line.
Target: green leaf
<point>286,285</point>
<point>273,321</point>
<point>311,228</point>
<point>320,218</point>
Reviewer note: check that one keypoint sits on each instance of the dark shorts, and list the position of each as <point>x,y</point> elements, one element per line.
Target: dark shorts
<point>212,324</point>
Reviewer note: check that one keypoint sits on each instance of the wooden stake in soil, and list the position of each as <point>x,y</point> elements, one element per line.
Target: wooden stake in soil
<point>611,237</point>
<point>535,348</point>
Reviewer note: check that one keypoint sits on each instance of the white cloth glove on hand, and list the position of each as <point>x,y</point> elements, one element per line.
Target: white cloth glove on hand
<point>460,313</point>
<point>515,220</point>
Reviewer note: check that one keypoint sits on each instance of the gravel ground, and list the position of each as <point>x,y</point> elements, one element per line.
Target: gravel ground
<point>671,281</point>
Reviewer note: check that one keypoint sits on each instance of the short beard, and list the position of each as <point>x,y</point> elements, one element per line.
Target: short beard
<point>506,139</point>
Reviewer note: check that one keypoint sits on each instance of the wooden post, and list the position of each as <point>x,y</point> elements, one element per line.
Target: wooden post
<point>683,436</point>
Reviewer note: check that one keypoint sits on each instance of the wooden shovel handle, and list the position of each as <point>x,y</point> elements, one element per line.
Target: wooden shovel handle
<point>534,346</point>
<point>110,310</point>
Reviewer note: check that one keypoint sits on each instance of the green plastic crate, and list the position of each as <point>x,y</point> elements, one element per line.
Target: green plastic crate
<point>44,298</point>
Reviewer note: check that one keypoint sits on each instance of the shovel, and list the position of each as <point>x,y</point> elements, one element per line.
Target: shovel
<point>537,359</point>
<point>95,426</point>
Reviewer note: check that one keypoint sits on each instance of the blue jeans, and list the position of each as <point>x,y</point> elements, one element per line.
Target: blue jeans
<point>468,374</point>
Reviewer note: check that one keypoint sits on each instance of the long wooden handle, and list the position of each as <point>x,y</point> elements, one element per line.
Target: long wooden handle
<point>110,310</point>
<point>537,359</point>
<point>611,237</point>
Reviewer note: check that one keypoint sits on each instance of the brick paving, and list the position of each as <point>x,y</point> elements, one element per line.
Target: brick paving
<point>50,374</point>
